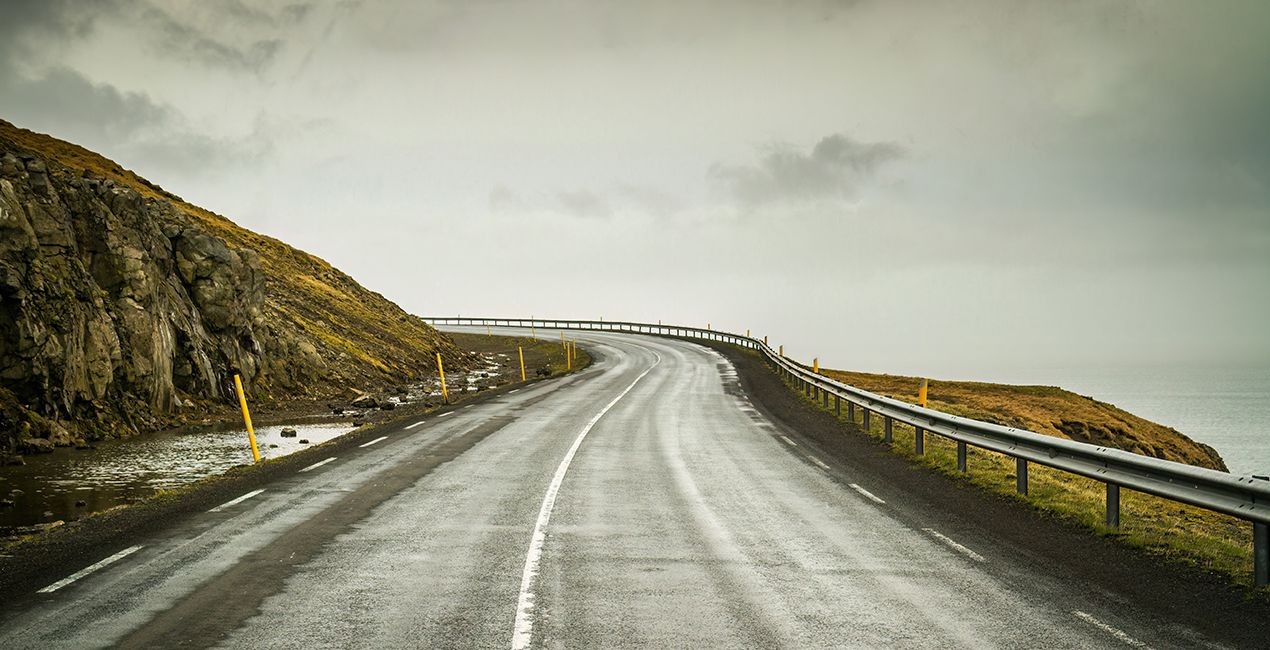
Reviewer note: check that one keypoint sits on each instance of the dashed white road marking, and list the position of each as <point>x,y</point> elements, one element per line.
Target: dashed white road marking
<point>446,413</point>
<point>869,495</point>
<point>1119,634</point>
<point>375,441</point>
<point>954,545</point>
<point>791,442</point>
<point>469,406</point>
<point>514,390</point>
<point>89,569</point>
<point>237,501</point>
<point>411,426</point>
<point>317,464</point>
<point>820,464</point>
<point>523,632</point>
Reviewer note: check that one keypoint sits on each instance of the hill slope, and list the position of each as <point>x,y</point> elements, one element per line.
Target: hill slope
<point>1044,409</point>
<point>124,308</point>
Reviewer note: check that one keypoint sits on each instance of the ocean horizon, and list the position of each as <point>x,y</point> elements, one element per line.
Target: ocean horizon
<point>1226,408</point>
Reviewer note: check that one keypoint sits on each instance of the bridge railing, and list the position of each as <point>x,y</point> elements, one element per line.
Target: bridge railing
<point>1245,497</point>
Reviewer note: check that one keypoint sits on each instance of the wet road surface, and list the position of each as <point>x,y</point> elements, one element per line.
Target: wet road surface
<point>641,503</point>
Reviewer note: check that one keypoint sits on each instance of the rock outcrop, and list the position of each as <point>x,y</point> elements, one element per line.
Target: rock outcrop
<point>122,308</point>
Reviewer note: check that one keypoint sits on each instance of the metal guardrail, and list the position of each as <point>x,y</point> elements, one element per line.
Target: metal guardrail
<point>1244,497</point>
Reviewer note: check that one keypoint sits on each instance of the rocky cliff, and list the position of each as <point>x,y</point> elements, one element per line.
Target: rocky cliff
<point>123,308</point>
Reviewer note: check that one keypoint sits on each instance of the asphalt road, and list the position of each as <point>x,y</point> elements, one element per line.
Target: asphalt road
<point>643,502</point>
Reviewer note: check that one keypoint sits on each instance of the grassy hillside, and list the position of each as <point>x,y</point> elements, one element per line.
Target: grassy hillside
<point>1043,409</point>
<point>1213,541</point>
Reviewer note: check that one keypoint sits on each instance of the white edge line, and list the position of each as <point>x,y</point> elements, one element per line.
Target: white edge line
<point>523,632</point>
<point>236,501</point>
<point>954,545</point>
<point>514,390</point>
<point>318,464</point>
<point>791,442</point>
<point>375,441</point>
<point>822,465</point>
<point>1115,632</point>
<point>89,569</point>
<point>869,495</point>
<point>446,413</point>
<point>411,426</point>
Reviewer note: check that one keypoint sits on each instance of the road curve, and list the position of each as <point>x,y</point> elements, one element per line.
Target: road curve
<point>643,502</point>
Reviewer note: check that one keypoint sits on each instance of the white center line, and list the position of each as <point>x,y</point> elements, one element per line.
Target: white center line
<point>523,633</point>
<point>87,570</point>
<point>791,442</point>
<point>236,501</point>
<point>1119,634</point>
<point>822,465</point>
<point>446,413</point>
<point>376,440</point>
<point>411,426</point>
<point>866,493</point>
<point>318,464</point>
<point>954,545</point>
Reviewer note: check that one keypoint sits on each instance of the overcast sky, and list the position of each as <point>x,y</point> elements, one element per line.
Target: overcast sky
<point>948,188</point>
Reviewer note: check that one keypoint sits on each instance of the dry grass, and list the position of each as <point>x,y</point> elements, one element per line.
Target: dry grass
<point>1043,409</point>
<point>1212,541</point>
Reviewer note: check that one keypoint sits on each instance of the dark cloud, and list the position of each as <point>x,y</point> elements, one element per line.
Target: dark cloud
<point>64,98</point>
<point>36,92</point>
<point>57,98</point>
<point>833,170</point>
<point>177,37</point>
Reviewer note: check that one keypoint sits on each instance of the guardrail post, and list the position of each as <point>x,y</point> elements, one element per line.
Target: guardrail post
<point>887,425</point>
<point>1113,505</point>
<point>1260,554</point>
<point>1020,475</point>
<point>837,406</point>
<point>961,456</point>
<point>919,441</point>
<point>864,418</point>
<point>826,395</point>
<point>851,412</point>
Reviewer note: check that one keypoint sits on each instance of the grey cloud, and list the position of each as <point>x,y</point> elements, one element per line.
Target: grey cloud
<point>502,198</point>
<point>833,169</point>
<point>585,204</point>
<point>65,98</point>
<point>178,37</point>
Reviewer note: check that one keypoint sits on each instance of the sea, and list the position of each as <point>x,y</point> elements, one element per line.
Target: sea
<point>1226,408</point>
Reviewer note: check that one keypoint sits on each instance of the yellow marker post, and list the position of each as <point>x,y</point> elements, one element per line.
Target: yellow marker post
<point>782,351</point>
<point>708,328</point>
<point>815,365</point>
<point>921,394</point>
<point>568,357</point>
<point>521,352</point>
<point>747,332</point>
<point>251,433</point>
<point>445,395</point>
<point>563,344</point>
<point>487,334</point>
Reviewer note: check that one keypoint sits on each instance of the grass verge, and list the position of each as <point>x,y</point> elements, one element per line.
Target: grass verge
<point>1212,541</point>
